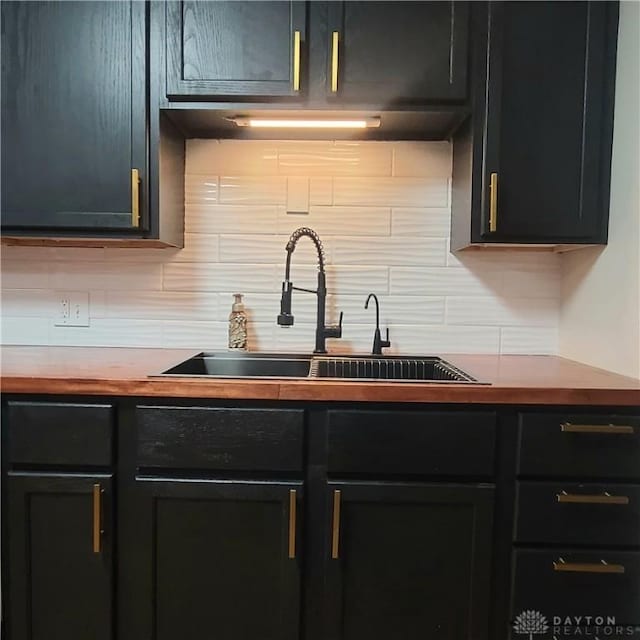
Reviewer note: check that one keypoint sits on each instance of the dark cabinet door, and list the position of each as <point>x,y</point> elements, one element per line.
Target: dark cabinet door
<point>222,560</point>
<point>235,48</point>
<point>408,561</point>
<point>398,52</point>
<point>549,121</point>
<point>73,114</point>
<point>60,544</point>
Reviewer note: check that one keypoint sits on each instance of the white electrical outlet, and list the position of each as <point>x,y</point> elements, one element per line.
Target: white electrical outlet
<point>73,309</point>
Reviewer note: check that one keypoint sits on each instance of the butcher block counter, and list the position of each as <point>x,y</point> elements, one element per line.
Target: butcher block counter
<point>507,379</point>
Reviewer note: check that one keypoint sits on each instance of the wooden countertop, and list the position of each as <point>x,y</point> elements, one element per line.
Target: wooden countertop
<point>125,371</point>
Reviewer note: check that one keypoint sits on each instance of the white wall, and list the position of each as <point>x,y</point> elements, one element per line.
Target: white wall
<point>383,213</point>
<point>600,315</point>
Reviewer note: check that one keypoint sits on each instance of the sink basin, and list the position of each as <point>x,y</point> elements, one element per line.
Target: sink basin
<point>243,366</point>
<point>371,368</point>
<point>389,368</point>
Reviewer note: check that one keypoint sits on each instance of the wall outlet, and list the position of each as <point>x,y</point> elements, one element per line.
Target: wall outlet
<point>73,309</point>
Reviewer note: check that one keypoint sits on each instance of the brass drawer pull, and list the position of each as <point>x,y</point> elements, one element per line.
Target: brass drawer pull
<point>97,518</point>
<point>335,43</point>
<point>493,202</point>
<point>335,534</point>
<point>567,427</point>
<point>135,198</point>
<point>602,498</point>
<point>296,61</point>
<point>292,523</point>
<point>587,567</point>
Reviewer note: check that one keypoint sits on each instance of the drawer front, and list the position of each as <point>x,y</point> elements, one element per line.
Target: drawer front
<point>60,433</point>
<point>587,514</point>
<point>579,446</point>
<point>219,439</point>
<point>578,590</point>
<point>412,442</point>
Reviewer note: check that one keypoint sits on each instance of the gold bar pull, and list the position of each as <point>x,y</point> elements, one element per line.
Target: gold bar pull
<point>296,61</point>
<point>567,427</point>
<point>603,498</point>
<point>587,567</point>
<point>97,518</point>
<point>493,202</point>
<point>135,198</point>
<point>335,534</point>
<point>292,523</point>
<point>335,42</point>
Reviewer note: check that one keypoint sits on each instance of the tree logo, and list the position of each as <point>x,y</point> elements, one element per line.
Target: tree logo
<point>532,623</point>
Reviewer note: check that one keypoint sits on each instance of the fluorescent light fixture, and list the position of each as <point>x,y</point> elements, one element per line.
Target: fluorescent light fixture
<point>305,123</point>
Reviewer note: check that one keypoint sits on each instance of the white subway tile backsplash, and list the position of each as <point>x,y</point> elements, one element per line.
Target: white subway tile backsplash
<point>417,159</point>
<point>382,210</point>
<point>253,190</point>
<point>389,251</point>
<point>393,192</point>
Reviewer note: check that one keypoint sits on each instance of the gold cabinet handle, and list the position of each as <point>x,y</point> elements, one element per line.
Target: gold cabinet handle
<point>335,533</point>
<point>493,202</point>
<point>567,427</point>
<point>335,42</point>
<point>97,518</point>
<point>296,61</point>
<point>135,198</point>
<point>603,498</point>
<point>587,567</point>
<point>292,523</point>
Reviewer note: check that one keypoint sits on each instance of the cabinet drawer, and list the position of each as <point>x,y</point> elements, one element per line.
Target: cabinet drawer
<point>588,514</point>
<point>452,443</point>
<point>570,445</point>
<point>219,439</point>
<point>578,590</point>
<point>60,434</point>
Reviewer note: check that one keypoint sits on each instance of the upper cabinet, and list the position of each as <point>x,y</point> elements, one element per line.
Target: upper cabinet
<point>73,115</point>
<point>398,52</point>
<point>234,48</point>
<point>376,53</point>
<point>533,163</point>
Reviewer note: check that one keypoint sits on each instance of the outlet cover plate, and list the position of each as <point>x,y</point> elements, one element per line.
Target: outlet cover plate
<point>72,309</point>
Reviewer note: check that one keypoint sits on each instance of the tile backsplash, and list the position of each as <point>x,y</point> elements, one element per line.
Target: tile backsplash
<point>382,210</point>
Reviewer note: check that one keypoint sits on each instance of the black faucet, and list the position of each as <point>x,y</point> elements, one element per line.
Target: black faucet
<point>285,319</point>
<point>378,342</point>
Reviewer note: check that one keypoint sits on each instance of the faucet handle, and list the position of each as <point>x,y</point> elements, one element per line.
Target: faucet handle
<point>385,343</point>
<point>335,330</point>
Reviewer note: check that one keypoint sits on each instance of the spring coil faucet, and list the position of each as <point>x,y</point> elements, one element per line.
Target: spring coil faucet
<point>285,318</point>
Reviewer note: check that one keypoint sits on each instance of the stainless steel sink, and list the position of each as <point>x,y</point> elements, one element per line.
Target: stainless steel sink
<point>370,368</point>
<point>389,368</point>
<point>243,366</point>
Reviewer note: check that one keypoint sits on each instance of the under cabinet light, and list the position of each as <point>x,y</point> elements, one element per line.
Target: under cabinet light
<point>304,123</point>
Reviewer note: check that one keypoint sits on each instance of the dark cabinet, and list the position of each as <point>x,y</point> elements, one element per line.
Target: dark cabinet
<point>234,48</point>
<point>408,561</point>
<point>60,560</point>
<point>221,558</point>
<point>73,116</point>
<point>533,163</point>
<point>398,52</point>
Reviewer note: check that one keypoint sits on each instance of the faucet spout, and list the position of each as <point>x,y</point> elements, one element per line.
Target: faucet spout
<point>285,317</point>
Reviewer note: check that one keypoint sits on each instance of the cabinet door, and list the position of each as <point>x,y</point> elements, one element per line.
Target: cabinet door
<point>549,121</point>
<point>409,561</point>
<point>224,559</point>
<point>73,114</point>
<point>233,48</point>
<point>392,52</point>
<point>60,542</point>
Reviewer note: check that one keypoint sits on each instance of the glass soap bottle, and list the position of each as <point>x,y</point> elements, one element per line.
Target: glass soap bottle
<point>238,324</point>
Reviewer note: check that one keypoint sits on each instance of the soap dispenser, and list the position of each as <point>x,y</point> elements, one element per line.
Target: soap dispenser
<point>237,324</point>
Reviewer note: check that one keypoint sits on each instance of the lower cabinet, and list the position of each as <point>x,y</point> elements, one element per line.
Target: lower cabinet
<point>409,561</point>
<point>60,573</point>
<point>225,558</point>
